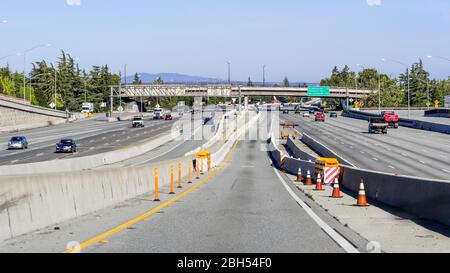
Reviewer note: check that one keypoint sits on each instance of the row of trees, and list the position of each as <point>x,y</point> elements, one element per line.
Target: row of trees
<point>423,90</point>
<point>72,85</point>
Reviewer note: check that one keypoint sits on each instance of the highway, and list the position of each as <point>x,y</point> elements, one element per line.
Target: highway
<point>247,206</point>
<point>92,136</point>
<point>402,151</point>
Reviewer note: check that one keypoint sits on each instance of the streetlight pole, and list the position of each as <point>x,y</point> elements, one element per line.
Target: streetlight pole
<point>407,75</point>
<point>264,75</point>
<point>25,64</point>
<point>229,72</point>
<point>55,88</point>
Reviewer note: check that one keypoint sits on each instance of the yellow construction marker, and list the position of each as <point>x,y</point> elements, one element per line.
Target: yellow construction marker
<point>156,185</point>
<point>172,181</point>
<point>179,176</point>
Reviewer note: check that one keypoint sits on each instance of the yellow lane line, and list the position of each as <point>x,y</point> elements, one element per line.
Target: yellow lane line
<point>146,215</point>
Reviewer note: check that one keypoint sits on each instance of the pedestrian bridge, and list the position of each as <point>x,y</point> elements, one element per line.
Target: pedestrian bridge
<point>184,90</point>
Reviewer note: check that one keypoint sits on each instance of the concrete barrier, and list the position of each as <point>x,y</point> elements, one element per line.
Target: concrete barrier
<point>88,162</point>
<point>29,203</point>
<point>243,127</point>
<point>297,152</point>
<point>33,202</point>
<point>323,150</point>
<point>425,198</point>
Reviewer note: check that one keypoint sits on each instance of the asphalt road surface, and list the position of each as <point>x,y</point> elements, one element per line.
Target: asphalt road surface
<point>244,208</point>
<point>92,136</point>
<point>402,151</point>
<point>247,206</point>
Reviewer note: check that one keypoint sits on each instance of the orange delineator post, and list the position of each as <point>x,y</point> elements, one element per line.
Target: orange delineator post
<point>197,170</point>
<point>179,176</point>
<point>172,182</point>
<point>156,186</point>
<point>189,173</point>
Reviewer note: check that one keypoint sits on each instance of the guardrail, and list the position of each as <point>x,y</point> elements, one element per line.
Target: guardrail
<point>425,198</point>
<point>410,123</point>
<point>32,109</point>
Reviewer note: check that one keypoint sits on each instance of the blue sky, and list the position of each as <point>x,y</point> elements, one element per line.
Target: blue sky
<point>297,38</point>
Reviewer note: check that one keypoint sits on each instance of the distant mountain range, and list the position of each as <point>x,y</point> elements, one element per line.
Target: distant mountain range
<point>173,78</point>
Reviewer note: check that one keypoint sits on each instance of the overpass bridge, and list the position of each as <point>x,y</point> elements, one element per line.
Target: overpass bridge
<point>183,90</point>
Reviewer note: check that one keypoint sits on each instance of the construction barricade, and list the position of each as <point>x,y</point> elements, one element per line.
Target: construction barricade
<point>328,168</point>
<point>203,161</point>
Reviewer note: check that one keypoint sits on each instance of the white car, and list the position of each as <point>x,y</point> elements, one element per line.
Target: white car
<point>306,115</point>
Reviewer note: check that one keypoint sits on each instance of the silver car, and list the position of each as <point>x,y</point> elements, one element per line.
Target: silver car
<point>18,142</point>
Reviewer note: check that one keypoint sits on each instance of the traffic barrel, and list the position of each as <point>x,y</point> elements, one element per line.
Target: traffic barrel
<point>362,198</point>
<point>308,179</point>
<point>336,189</point>
<point>319,184</point>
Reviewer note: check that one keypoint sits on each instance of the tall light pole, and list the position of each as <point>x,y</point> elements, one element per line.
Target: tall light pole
<point>407,75</point>
<point>229,72</point>
<point>55,87</point>
<point>7,56</point>
<point>264,75</point>
<point>25,64</point>
<point>142,102</point>
<point>438,57</point>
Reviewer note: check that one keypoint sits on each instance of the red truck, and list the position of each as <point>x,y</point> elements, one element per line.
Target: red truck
<point>320,117</point>
<point>391,118</point>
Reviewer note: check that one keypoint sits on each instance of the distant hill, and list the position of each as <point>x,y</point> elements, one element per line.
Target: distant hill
<point>173,78</point>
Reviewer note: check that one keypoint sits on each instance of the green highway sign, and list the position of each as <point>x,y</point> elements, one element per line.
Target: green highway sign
<point>319,91</point>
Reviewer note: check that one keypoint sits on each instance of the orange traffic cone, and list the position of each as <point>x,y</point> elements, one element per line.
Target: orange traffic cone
<point>362,199</point>
<point>319,185</point>
<point>299,176</point>
<point>308,179</point>
<point>336,189</point>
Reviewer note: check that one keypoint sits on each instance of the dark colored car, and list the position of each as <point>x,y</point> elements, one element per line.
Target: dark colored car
<point>333,115</point>
<point>18,142</point>
<point>66,146</point>
<point>168,117</point>
<point>285,112</point>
